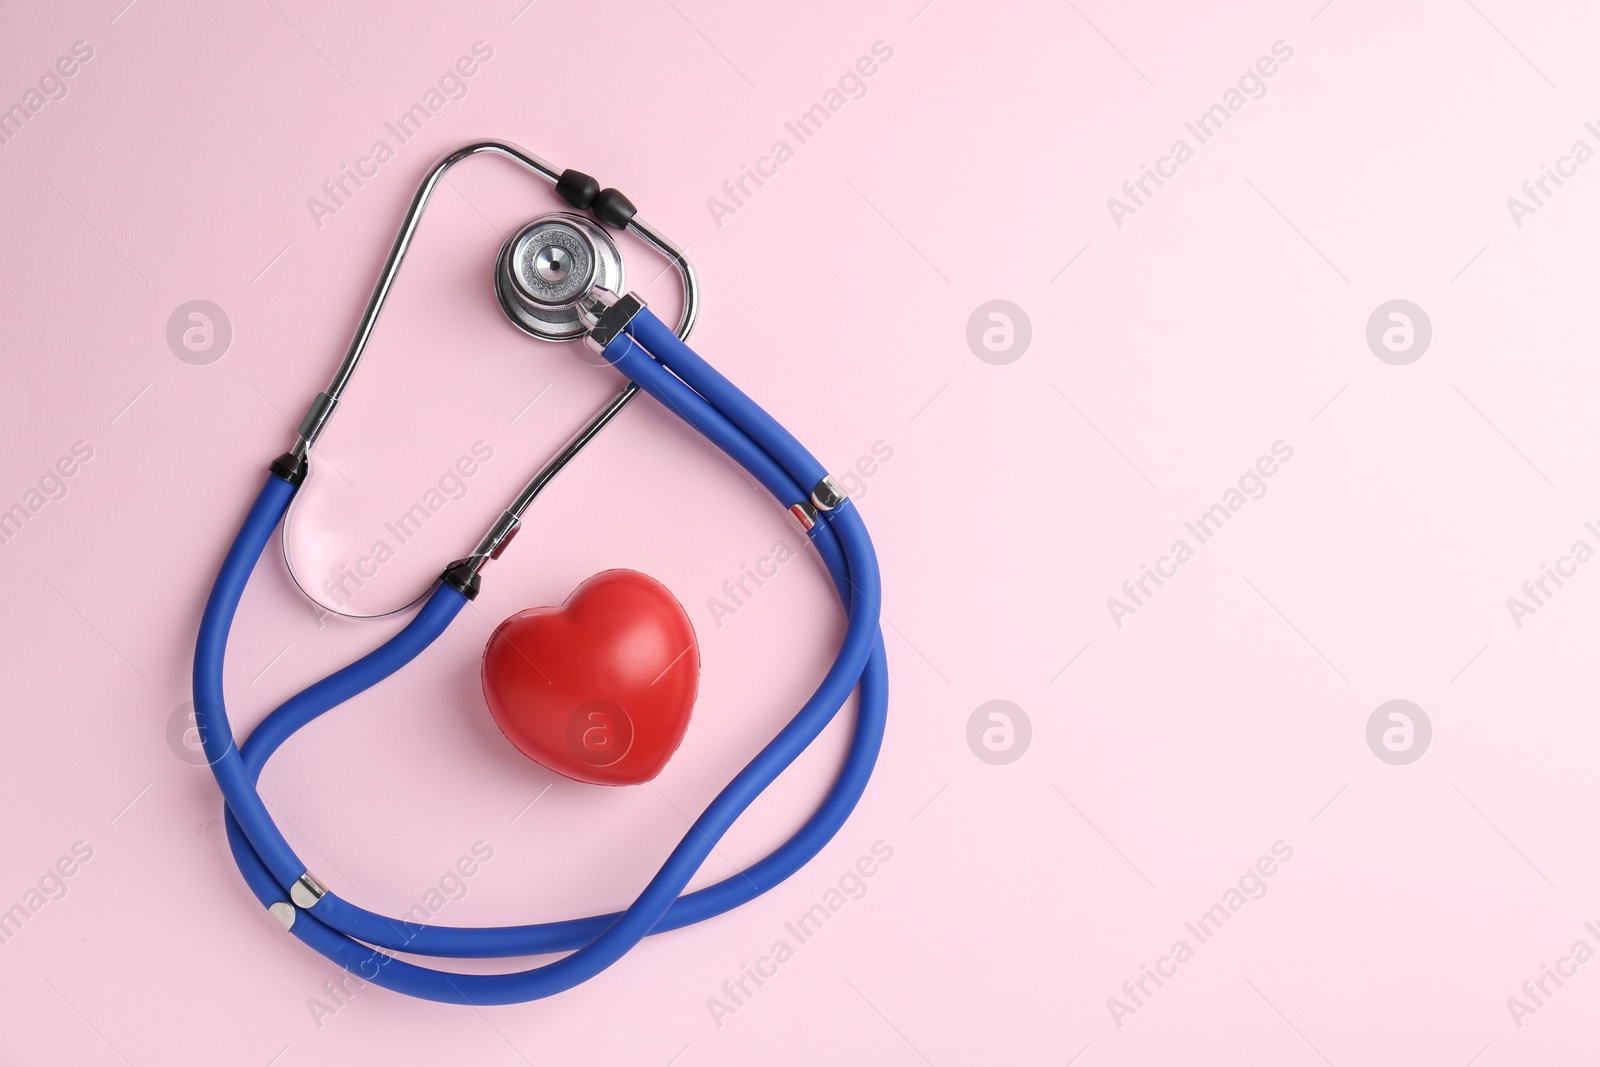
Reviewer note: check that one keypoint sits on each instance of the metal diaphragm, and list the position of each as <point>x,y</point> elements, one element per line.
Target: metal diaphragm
<point>548,266</point>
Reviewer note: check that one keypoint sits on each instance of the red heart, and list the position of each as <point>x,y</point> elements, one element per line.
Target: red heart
<point>599,689</point>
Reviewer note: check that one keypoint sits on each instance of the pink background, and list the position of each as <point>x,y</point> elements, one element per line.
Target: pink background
<point>1168,353</point>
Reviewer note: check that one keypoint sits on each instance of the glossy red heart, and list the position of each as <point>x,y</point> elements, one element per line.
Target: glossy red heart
<point>599,689</point>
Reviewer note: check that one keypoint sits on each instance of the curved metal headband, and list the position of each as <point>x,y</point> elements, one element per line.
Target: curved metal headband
<point>325,402</point>
<point>322,407</point>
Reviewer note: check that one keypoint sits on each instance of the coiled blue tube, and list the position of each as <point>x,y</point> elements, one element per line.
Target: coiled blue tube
<point>355,937</point>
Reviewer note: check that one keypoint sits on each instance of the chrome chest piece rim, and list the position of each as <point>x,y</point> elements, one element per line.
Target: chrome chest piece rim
<point>546,268</point>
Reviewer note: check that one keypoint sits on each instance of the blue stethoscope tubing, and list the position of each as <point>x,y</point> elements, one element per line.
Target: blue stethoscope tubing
<point>361,941</point>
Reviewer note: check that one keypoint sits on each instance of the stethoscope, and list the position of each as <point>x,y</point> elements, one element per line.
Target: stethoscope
<point>557,278</point>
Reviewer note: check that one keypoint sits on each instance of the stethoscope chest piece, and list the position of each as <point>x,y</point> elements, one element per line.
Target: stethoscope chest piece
<point>546,268</point>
